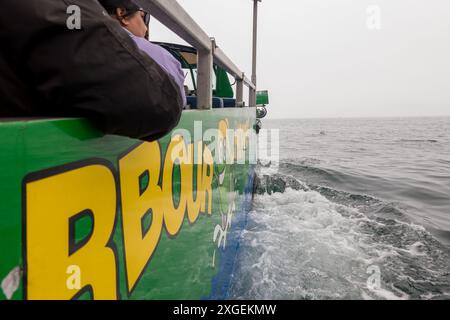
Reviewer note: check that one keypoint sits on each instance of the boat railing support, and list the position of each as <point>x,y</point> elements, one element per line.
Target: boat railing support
<point>240,92</point>
<point>174,17</point>
<point>204,77</point>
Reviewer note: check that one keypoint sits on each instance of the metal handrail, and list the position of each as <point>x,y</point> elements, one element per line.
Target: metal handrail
<point>174,17</point>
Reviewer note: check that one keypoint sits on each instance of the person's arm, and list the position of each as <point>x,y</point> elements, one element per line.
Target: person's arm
<point>163,57</point>
<point>97,72</point>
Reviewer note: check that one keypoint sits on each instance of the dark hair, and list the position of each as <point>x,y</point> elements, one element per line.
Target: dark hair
<point>111,5</point>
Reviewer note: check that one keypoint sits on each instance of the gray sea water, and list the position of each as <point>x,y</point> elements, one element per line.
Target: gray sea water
<point>355,209</point>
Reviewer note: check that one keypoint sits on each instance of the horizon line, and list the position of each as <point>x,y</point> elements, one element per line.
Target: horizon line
<point>357,117</point>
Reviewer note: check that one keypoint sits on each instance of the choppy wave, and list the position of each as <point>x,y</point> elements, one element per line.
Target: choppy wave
<point>316,242</point>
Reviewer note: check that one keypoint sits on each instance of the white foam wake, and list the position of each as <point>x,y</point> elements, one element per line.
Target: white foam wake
<point>299,245</point>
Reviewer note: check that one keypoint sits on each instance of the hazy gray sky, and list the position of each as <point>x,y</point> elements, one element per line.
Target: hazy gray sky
<point>318,58</point>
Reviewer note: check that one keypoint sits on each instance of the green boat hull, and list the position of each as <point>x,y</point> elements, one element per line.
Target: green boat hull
<point>89,216</point>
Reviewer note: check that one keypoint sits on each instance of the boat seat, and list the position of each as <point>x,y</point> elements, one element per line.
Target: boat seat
<point>229,103</point>
<point>216,102</point>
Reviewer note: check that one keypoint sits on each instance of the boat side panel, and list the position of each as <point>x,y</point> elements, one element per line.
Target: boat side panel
<point>55,252</point>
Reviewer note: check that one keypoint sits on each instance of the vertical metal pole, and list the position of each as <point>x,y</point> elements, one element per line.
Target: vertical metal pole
<point>240,92</point>
<point>204,79</point>
<point>255,43</point>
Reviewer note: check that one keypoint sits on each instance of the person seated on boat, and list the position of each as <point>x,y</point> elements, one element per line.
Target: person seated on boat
<point>135,21</point>
<point>50,67</point>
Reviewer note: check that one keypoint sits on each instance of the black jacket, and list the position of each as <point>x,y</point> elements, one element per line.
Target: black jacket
<point>48,70</point>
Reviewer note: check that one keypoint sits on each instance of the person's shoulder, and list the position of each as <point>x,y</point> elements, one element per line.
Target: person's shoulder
<point>141,41</point>
<point>159,48</point>
<point>144,43</point>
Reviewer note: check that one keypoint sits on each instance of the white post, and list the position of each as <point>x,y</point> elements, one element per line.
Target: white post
<point>240,92</point>
<point>204,79</point>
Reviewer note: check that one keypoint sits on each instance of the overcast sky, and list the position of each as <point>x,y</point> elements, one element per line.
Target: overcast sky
<point>319,58</point>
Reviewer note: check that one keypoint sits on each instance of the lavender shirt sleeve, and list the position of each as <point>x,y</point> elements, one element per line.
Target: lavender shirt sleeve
<point>164,59</point>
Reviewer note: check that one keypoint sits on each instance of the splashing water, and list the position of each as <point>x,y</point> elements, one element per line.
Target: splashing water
<point>300,245</point>
<point>312,240</point>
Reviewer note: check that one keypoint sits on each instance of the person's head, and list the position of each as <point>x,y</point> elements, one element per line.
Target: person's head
<point>129,14</point>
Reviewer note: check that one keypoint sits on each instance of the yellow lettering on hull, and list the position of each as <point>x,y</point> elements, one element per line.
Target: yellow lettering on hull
<point>51,203</point>
<point>138,247</point>
<point>56,200</point>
